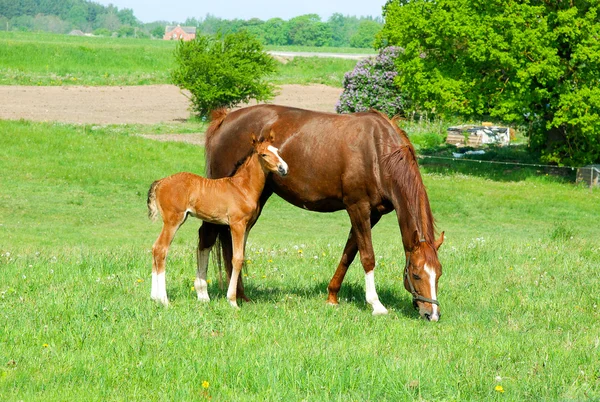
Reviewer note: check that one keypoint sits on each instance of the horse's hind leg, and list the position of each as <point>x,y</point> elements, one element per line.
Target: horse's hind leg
<point>207,236</point>
<point>160,250</point>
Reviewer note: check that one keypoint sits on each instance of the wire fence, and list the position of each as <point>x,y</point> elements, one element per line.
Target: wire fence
<point>592,177</point>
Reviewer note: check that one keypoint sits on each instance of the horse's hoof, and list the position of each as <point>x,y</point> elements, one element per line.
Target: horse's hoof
<point>378,309</point>
<point>203,298</point>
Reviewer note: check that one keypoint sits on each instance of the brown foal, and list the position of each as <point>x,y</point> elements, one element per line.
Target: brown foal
<point>232,201</point>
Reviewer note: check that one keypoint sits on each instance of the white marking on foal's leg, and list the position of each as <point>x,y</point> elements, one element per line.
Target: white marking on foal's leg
<point>200,283</point>
<point>159,288</point>
<point>435,313</point>
<point>371,294</point>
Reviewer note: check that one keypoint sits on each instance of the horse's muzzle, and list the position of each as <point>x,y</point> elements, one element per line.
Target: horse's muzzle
<point>282,170</point>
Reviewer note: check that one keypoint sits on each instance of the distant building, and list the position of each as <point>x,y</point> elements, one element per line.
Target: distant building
<point>178,32</point>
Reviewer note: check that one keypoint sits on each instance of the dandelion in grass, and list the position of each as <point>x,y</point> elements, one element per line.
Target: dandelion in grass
<point>140,280</point>
<point>45,345</point>
<point>205,384</point>
<point>270,261</point>
<point>499,388</point>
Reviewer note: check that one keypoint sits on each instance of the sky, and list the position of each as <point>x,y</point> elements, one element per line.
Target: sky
<point>180,10</point>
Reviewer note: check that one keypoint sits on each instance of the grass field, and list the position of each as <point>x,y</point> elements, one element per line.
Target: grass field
<point>519,294</point>
<point>50,59</point>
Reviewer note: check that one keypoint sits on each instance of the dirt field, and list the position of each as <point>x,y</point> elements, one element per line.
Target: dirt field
<point>131,104</point>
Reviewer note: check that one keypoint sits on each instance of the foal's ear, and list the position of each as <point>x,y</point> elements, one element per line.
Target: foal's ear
<point>439,241</point>
<point>253,140</point>
<point>271,137</point>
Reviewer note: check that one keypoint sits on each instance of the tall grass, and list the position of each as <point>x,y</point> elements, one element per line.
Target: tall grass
<point>51,59</point>
<point>519,294</point>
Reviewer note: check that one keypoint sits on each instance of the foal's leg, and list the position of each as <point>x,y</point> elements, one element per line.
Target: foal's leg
<point>226,247</point>
<point>160,250</point>
<point>207,236</point>
<point>348,255</point>
<point>361,225</point>
<point>238,234</point>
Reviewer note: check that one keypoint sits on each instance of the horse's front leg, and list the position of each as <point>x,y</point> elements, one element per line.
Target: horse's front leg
<point>348,255</point>
<point>361,226</point>
<point>238,234</point>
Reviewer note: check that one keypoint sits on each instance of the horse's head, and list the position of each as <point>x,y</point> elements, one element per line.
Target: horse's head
<point>268,155</point>
<point>421,275</point>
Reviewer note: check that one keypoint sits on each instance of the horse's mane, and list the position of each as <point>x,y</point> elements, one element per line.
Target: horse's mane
<point>402,168</point>
<point>394,124</point>
<point>216,119</point>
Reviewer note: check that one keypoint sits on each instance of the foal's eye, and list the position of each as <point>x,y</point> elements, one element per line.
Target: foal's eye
<point>263,155</point>
<point>416,277</point>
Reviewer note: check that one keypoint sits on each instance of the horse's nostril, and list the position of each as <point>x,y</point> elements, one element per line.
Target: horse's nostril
<point>428,317</point>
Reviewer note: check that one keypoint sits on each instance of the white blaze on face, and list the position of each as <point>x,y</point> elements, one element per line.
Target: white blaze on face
<point>282,163</point>
<point>431,272</point>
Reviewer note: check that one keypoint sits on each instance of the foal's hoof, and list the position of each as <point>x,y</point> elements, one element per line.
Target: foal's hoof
<point>234,304</point>
<point>162,300</point>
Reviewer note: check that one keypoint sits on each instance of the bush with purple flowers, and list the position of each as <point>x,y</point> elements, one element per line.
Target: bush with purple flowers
<point>371,86</point>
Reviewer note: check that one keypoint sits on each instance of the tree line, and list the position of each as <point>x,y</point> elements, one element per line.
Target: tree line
<point>87,16</point>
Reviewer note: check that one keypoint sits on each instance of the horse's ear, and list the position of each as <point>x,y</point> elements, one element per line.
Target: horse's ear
<point>271,137</point>
<point>439,241</point>
<point>416,239</point>
<point>253,140</point>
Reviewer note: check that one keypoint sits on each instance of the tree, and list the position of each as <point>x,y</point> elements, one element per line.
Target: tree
<point>342,29</point>
<point>308,30</point>
<point>365,34</point>
<point>223,71</point>
<point>532,62</point>
<point>276,32</point>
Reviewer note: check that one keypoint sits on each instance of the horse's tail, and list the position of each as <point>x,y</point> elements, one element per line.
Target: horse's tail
<point>152,207</point>
<point>216,119</point>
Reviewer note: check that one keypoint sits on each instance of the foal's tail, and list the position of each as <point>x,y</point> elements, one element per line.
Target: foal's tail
<point>152,208</point>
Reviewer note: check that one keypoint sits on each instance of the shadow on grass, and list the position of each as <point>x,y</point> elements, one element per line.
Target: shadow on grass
<point>395,298</point>
<point>506,164</point>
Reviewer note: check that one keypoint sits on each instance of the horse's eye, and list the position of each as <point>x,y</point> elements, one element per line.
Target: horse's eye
<point>416,277</point>
<point>263,155</point>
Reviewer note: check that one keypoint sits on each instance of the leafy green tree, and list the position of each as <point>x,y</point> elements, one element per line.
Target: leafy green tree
<point>223,71</point>
<point>158,31</point>
<point>531,62</point>
<point>276,32</point>
<point>308,30</point>
<point>366,33</point>
<point>126,31</point>
<point>342,28</point>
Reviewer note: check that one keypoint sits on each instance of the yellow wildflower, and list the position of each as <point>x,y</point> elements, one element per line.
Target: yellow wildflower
<point>45,345</point>
<point>205,384</point>
<point>499,388</point>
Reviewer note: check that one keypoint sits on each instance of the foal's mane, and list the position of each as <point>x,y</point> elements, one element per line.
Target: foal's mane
<point>402,167</point>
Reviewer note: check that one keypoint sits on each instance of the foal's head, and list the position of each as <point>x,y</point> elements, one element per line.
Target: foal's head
<point>268,155</point>
<point>421,275</point>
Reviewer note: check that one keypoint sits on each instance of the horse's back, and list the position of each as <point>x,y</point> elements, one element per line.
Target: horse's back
<point>331,156</point>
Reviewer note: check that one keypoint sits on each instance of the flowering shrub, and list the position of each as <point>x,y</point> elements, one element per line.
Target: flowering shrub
<point>371,86</point>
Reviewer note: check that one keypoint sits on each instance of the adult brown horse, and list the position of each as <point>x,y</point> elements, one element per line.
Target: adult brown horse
<point>362,163</point>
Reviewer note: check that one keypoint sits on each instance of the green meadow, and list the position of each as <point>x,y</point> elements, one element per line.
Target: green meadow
<point>519,293</point>
<point>51,59</point>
